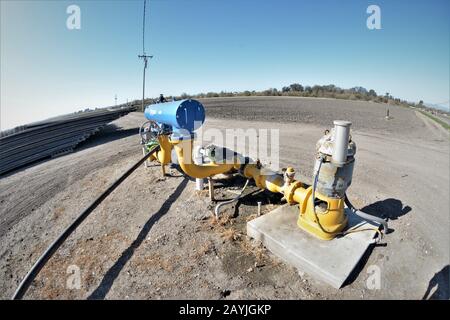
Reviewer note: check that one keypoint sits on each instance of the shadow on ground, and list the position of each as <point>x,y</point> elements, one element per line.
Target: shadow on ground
<point>391,209</point>
<point>440,281</point>
<point>250,197</point>
<point>111,275</point>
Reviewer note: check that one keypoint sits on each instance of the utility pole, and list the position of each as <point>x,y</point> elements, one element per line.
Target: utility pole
<point>144,56</point>
<point>115,100</point>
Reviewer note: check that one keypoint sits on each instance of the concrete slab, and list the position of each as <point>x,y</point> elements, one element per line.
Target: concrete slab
<point>330,261</point>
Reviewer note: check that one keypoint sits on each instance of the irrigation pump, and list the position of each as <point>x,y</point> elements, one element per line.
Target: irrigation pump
<point>321,205</point>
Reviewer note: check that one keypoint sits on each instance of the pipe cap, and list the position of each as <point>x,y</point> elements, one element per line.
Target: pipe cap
<point>343,123</point>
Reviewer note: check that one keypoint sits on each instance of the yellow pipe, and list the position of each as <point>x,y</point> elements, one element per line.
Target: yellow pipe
<point>183,148</point>
<point>164,155</point>
<point>270,180</point>
<point>325,224</point>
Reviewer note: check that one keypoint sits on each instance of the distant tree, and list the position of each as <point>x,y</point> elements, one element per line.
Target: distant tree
<point>225,94</point>
<point>271,92</point>
<point>360,90</point>
<point>372,93</point>
<point>316,87</point>
<point>296,87</point>
<point>285,89</point>
<point>421,103</point>
<point>329,88</point>
<point>247,93</point>
<point>212,95</point>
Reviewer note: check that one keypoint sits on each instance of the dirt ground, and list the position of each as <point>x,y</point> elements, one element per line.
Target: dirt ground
<point>154,237</point>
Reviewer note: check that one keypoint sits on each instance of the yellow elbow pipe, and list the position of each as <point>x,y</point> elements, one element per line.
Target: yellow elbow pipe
<point>164,155</point>
<point>301,196</point>
<point>183,148</point>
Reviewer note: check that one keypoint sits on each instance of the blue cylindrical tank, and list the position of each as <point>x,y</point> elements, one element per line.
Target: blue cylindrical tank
<point>186,114</point>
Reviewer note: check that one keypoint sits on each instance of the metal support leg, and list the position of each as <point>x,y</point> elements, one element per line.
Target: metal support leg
<point>211,189</point>
<point>143,154</point>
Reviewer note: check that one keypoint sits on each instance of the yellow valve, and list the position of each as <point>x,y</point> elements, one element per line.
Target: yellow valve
<point>290,170</point>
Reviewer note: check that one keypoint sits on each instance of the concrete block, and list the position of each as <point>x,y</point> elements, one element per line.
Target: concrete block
<point>330,261</point>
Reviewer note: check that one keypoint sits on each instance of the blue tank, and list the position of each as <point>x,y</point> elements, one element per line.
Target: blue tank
<point>186,114</point>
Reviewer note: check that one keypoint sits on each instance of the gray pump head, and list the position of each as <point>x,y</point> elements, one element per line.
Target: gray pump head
<point>337,151</point>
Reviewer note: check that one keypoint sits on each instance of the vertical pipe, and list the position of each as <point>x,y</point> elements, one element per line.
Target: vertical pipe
<point>198,159</point>
<point>341,136</point>
<point>211,189</point>
<point>143,154</point>
<point>199,184</point>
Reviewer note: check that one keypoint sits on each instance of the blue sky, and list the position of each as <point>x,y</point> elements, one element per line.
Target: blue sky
<point>201,46</point>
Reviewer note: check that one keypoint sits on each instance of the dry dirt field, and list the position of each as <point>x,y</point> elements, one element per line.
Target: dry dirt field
<point>154,238</point>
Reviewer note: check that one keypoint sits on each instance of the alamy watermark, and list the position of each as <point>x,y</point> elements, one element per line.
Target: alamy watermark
<point>373,22</point>
<point>73,21</point>
<point>237,145</point>
<point>73,281</point>
<point>373,281</point>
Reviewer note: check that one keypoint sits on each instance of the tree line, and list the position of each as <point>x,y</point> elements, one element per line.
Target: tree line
<point>299,90</point>
<point>316,91</point>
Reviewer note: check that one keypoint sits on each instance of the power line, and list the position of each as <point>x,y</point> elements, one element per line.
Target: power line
<point>143,29</point>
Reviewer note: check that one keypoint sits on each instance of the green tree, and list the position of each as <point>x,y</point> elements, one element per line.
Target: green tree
<point>296,87</point>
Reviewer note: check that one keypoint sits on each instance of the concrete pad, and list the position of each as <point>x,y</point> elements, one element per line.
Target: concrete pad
<point>330,261</point>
